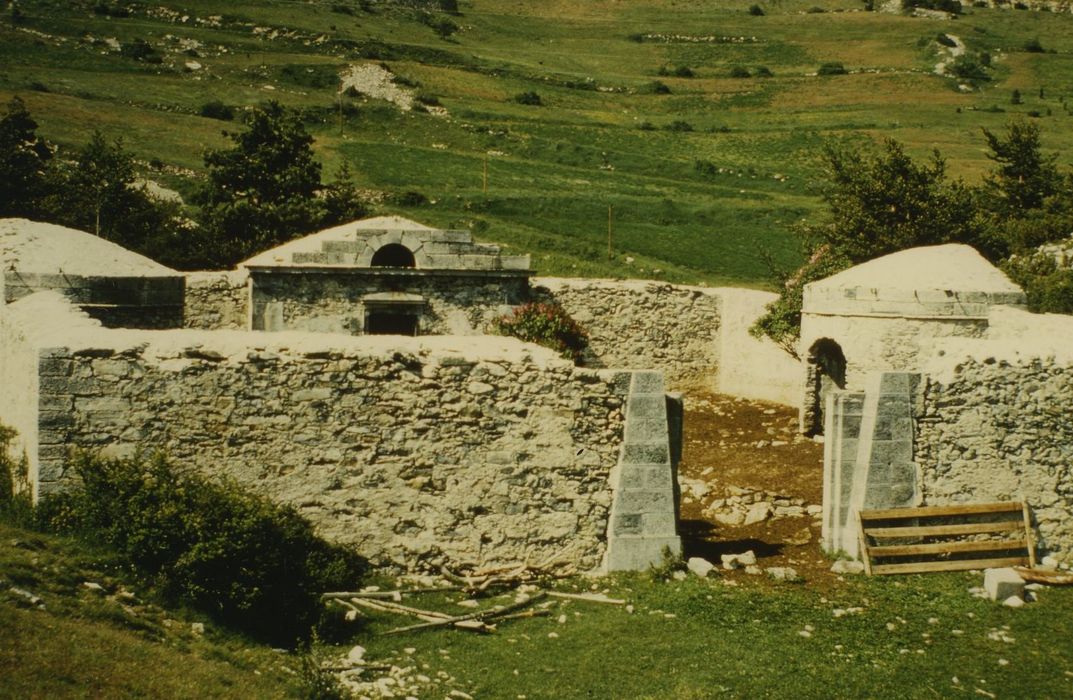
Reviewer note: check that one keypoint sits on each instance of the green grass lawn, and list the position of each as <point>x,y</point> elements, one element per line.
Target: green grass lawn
<point>903,637</point>
<point>711,200</point>
<point>919,636</point>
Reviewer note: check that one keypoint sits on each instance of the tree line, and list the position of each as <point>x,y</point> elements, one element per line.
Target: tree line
<point>266,188</point>
<point>883,201</point>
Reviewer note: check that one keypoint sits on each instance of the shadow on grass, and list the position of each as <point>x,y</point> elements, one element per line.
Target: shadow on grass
<point>697,541</point>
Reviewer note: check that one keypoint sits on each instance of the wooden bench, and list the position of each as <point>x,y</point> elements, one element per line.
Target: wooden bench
<point>946,538</point>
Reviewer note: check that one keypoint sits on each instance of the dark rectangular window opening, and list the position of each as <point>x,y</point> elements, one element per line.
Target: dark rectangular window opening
<point>390,323</point>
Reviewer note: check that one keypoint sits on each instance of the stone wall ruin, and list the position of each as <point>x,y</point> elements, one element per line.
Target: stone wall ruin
<point>417,452</point>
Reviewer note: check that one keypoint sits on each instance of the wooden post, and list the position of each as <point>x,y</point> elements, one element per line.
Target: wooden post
<point>1030,543</point>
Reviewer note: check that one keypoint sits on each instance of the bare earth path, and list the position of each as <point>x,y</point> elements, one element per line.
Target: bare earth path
<point>742,461</point>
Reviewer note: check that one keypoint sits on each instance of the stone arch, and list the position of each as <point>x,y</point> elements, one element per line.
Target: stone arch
<point>825,372</point>
<point>393,255</point>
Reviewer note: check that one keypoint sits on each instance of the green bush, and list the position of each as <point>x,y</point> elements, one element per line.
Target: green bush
<point>756,11</point>
<point>968,67</point>
<point>246,561</point>
<point>831,68</point>
<point>1049,288</point>
<point>528,98</point>
<point>15,506</point>
<point>217,110</point>
<point>545,324</point>
<point>657,87</point>
<point>740,72</point>
<point>1033,46</point>
<point>763,72</point>
<point>679,125</point>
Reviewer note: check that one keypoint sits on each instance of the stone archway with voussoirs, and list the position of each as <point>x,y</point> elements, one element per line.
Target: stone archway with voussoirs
<point>825,371</point>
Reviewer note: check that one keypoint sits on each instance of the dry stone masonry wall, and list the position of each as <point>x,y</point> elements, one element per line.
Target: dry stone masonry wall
<point>643,324</point>
<point>998,430</point>
<point>217,300</point>
<point>417,452</point>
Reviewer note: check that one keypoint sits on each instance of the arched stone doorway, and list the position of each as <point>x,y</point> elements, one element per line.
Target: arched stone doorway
<point>393,255</point>
<point>826,371</point>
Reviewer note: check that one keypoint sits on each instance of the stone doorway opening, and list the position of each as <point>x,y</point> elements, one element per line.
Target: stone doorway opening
<point>826,372</point>
<point>393,313</point>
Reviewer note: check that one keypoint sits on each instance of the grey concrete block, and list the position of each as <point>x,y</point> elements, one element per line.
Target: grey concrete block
<point>646,453</point>
<point>647,382</point>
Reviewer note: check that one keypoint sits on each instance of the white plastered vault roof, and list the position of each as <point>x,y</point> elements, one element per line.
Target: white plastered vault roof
<point>32,247</point>
<point>932,281</point>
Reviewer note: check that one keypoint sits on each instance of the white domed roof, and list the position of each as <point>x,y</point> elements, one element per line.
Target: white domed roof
<point>943,280</point>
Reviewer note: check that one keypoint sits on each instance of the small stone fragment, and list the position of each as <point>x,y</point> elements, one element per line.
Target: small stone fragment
<point>1014,602</point>
<point>699,566</point>
<point>847,566</point>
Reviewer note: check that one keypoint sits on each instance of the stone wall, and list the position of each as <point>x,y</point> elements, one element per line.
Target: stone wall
<point>639,324</point>
<point>996,425</point>
<point>217,300</point>
<point>332,302</point>
<point>416,451</point>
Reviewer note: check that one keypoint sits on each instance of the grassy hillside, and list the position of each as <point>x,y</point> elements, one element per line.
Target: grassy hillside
<point>704,175</point>
<point>72,624</point>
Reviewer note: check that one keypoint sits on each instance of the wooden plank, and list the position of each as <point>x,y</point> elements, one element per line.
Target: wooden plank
<point>935,530</point>
<point>944,548</point>
<point>863,544</point>
<point>1028,535</point>
<point>929,566</point>
<point>933,511</point>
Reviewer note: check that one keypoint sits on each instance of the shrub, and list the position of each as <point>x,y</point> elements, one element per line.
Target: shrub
<point>951,6</point>
<point>15,504</point>
<point>705,167</point>
<point>1033,46</point>
<point>239,557</point>
<point>831,68</point>
<point>1015,97</point>
<point>427,99</point>
<point>945,40</point>
<point>679,72</point>
<point>410,198</point>
<point>217,110</point>
<point>740,72</point>
<point>140,50</point>
<point>763,72</point>
<point>815,10</point>
<point>545,324</point>
<point>646,126</point>
<point>968,67</point>
<point>679,125</point>
<point>528,98</point>
<point>657,87</point>
<point>1048,287</point>
<point>756,11</point>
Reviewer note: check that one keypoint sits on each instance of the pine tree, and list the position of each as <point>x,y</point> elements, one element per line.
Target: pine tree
<point>24,162</point>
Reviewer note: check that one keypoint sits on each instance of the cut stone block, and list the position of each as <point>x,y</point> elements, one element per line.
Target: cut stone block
<point>1001,584</point>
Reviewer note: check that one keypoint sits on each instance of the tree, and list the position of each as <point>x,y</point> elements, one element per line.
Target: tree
<point>263,190</point>
<point>99,192</point>
<point>1025,176</point>
<point>342,201</point>
<point>24,162</point>
<point>886,202</point>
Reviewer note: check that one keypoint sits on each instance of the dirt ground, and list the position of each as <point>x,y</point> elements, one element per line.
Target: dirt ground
<point>734,446</point>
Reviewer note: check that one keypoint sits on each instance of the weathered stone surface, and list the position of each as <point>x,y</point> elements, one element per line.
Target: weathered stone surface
<point>649,325</point>
<point>411,472</point>
<point>699,566</point>
<point>1000,584</point>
